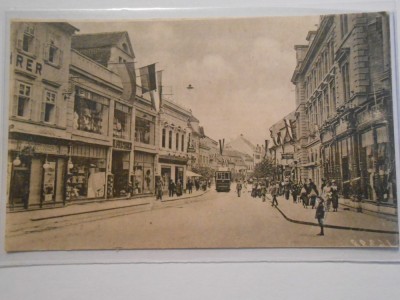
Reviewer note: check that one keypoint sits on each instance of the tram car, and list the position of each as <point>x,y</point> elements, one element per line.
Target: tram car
<point>223,180</point>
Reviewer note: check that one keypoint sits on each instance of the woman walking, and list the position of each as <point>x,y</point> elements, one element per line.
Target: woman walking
<point>335,196</point>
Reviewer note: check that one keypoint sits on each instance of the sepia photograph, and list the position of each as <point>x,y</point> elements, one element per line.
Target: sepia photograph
<point>253,132</point>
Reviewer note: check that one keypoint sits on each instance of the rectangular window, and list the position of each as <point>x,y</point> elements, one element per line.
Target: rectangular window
<point>170,139</point>
<point>28,39</point>
<point>91,112</point>
<point>23,101</point>
<point>49,107</point>
<point>343,25</point>
<point>164,133</point>
<point>177,141</point>
<point>183,143</point>
<point>145,128</point>
<point>346,81</point>
<point>122,121</point>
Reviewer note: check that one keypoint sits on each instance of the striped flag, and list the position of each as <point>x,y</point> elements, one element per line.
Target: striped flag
<point>148,78</point>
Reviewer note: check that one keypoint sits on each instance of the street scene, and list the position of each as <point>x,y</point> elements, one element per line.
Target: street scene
<point>209,133</point>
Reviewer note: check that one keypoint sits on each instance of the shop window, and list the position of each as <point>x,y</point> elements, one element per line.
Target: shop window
<point>122,121</point>
<point>164,133</point>
<point>87,179</point>
<point>49,107</point>
<point>144,129</point>
<point>22,104</point>
<point>90,112</point>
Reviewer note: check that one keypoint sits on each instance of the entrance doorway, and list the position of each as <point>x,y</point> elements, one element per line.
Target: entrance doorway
<point>120,169</point>
<point>20,182</point>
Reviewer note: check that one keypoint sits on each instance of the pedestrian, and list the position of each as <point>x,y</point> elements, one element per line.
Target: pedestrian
<point>238,187</point>
<point>312,193</point>
<point>197,184</point>
<point>320,214</point>
<point>159,189</point>
<point>335,196</point>
<point>295,192</point>
<point>254,189</point>
<point>327,195</point>
<point>171,188</point>
<point>304,195</point>
<point>286,188</point>
<point>263,192</point>
<point>274,190</point>
<point>178,188</point>
<point>189,185</point>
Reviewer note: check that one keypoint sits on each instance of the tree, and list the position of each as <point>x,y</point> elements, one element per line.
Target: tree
<point>263,169</point>
<point>206,172</point>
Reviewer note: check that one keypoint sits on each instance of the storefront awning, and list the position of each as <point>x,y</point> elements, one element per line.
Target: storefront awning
<point>192,174</point>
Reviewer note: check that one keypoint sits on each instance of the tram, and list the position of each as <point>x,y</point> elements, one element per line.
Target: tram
<point>223,179</point>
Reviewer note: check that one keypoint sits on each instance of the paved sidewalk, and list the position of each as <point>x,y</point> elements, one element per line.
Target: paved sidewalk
<point>342,219</point>
<point>147,202</point>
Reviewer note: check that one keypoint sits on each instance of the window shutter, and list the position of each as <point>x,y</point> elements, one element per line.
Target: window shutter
<point>42,112</point>
<point>57,118</point>
<point>46,52</point>
<point>19,44</point>
<point>37,47</point>
<point>43,106</point>
<point>15,105</point>
<point>60,57</point>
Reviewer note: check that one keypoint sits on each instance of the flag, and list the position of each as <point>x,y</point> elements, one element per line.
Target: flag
<point>148,78</point>
<point>272,137</point>
<point>289,130</point>
<point>278,138</point>
<point>127,72</point>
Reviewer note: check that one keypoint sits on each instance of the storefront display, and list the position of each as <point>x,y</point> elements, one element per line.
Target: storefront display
<point>143,181</point>
<point>90,112</point>
<point>86,179</point>
<point>144,128</point>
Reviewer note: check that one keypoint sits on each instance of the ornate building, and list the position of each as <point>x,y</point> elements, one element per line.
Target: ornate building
<point>344,106</point>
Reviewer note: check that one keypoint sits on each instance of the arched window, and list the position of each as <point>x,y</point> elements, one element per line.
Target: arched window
<point>170,140</point>
<point>177,142</point>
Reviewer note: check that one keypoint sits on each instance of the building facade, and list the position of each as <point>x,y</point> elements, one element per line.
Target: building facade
<point>344,106</point>
<point>174,140</point>
<point>39,92</point>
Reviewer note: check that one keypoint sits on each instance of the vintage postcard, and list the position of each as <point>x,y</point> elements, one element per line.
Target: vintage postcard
<point>207,133</point>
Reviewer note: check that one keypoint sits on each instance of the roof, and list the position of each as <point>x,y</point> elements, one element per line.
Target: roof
<point>96,40</point>
<point>97,46</point>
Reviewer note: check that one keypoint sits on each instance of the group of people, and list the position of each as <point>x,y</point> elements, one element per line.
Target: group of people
<point>177,188</point>
<point>306,193</point>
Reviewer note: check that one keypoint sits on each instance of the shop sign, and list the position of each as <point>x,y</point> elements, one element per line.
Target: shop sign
<point>38,148</point>
<point>28,64</point>
<point>287,155</point>
<point>122,145</point>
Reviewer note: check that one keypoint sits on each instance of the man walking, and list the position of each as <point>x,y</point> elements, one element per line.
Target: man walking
<point>159,189</point>
<point>238,187</point>
<point>320,214</point>
<point>274,190</point>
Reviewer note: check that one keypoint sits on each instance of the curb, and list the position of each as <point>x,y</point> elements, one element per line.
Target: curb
<point>335,226</point>
<point>111,208</point>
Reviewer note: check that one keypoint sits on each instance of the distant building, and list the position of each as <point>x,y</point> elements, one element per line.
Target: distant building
<point>243,145</point>
<point>174,137</point>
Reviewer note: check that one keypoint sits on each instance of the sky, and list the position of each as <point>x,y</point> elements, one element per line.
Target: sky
<point>240,68</point>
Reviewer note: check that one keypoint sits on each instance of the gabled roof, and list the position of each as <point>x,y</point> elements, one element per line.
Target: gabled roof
<point>98,46</point>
